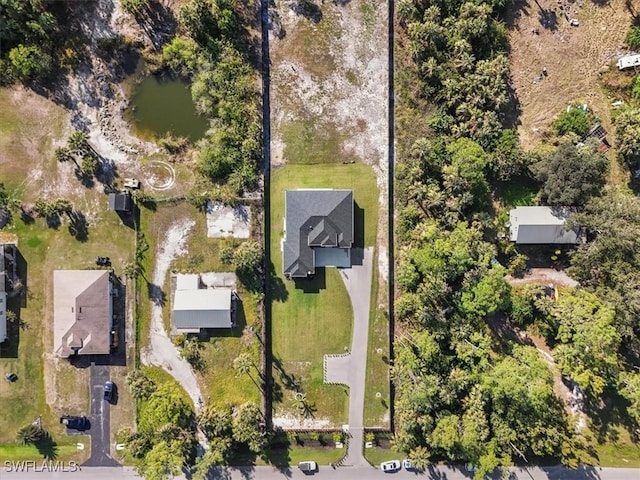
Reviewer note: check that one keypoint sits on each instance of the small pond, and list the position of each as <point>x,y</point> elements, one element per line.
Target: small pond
<point>160,106</point>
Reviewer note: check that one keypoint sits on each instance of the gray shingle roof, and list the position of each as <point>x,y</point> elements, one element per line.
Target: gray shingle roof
<point>315,218</point>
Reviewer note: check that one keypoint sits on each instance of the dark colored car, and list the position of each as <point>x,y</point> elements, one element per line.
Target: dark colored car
<point>11,377</point>
<point>109,388</point>
<point>75,423</point>
<point>104,261</point>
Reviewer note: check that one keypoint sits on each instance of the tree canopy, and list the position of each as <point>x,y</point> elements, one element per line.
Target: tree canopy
<point>571,175</point>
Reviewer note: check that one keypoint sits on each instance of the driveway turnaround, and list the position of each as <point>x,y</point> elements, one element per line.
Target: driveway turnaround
<point>100,418</point>
<point>351,369</point>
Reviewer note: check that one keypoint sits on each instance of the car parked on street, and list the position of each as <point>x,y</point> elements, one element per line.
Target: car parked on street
<point>109,388</point>
<point>390,466</point>
<point>308,466</point>
<point>72,422</point>
<point>407,465</point>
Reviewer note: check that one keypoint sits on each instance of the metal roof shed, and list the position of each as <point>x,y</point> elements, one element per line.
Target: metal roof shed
<point>541,225</point>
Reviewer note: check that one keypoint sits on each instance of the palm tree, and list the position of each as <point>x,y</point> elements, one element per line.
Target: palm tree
<point>63,154</point>
<point>78,142</point>
<point>28,435</point>
<point>242,364</point>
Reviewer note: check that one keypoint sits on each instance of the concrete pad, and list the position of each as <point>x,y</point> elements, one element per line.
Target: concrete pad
<point>224,221</point>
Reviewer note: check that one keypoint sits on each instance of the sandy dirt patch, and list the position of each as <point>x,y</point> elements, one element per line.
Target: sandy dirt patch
<point>225,221</point>
<point>545,276</point>
<point>573,57</point>
<point>288,422</point>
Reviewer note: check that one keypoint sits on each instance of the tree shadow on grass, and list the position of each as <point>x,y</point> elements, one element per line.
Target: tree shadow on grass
<point>78,226</point>
<point>47,447</point>
<point>608,416</point>
<point>156,294</point>
<point>277,289</point>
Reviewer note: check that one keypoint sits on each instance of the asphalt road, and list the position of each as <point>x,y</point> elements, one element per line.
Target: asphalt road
<point>100,421</point>
<point>325,472</point>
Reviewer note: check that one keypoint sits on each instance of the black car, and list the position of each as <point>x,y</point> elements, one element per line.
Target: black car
<point>75,423</point>
<point>11,377</point>
<point>104,261</point>
<point>109,388</point>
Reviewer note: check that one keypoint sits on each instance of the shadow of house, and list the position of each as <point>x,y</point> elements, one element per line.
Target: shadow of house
<point>12,290</point>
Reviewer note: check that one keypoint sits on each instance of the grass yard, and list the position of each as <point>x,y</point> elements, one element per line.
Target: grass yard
<point>66,451</point>
<point>30,126</point>
<point>376,455</point>
<point>308,325</point>
<point>376,408</point>
<point>313,140</point>
<point>519,192</point>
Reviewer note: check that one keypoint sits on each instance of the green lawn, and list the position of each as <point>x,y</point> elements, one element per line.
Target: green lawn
<point>376,455</point>
<point>376,408</point>
<point>308,325</point>
<point>66,451</point>
<point>314,140</point>
<point>619,455</point>
<point>519,192</point>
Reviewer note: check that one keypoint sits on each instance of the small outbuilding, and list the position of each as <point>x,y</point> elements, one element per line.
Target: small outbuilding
<point>120,202</point>
<point>195,308</point>
<point>629,61</point>
<point>541,225</point>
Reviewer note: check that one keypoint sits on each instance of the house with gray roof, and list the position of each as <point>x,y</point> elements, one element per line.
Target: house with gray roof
<point>82,312</point>
<point>541,225</point>
<point>318,230</point>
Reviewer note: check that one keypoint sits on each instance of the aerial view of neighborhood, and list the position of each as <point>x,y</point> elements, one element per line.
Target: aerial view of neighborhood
<point>339,239</point>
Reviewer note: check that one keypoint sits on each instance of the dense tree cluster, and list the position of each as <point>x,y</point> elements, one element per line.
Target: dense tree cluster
<point>165,439</point>
<point>27,33</point>
<point>462,395</point>
<point>229,431</point>
<point>213,54</point>
<point>571,175</point>
<point>458,48</point>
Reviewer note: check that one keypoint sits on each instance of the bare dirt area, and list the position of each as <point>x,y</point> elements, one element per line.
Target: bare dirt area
<point>544,276</point>
<point>574,57</point>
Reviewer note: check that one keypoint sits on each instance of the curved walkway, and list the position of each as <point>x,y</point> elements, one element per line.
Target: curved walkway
<point>161,351</point>
<point>351,369</point>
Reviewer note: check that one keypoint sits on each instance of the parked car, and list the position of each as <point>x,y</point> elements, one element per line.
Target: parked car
<point>11,377</point>
<point>75,423</point>
<point>109,388</point>
<point>407,465</point>
<point>308,466</point>
<point>103,261</point>
<point>390,466</point>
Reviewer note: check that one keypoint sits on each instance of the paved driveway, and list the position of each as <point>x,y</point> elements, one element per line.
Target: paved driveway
<point>100,418</point>
<point>351,369</point>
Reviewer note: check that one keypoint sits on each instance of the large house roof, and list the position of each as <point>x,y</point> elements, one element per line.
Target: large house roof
<point>82,311</point>
<point>3,296</point>
<point>541,225</point>
<point>202,308</point>
<point>315,218</point>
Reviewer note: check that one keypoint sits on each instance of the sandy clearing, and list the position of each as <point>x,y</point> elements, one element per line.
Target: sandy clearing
<point>544,276</point>
<point>573,56</point>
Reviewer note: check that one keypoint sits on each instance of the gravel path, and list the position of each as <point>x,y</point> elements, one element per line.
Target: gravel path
<point>543,275</point>
<point>162,352</point>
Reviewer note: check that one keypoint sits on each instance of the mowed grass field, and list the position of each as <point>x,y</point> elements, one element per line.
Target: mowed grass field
<point>306,325</point>
<point>30,127</point>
